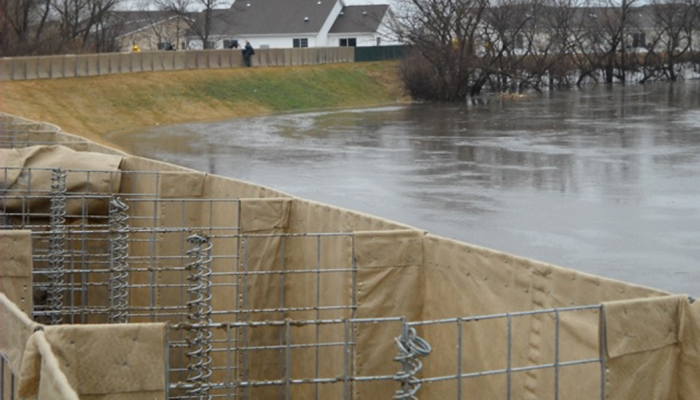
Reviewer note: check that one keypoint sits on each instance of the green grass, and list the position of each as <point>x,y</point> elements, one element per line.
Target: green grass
<point>97,105</point>
<point>290,90</point>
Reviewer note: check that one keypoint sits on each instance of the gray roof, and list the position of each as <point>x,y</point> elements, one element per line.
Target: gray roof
<point>354,19</point>
<point>260,17</point>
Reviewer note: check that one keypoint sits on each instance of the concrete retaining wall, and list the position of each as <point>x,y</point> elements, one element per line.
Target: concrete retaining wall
<point>74,66</point>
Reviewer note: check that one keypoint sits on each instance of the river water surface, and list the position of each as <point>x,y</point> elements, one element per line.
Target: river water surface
<point>603,180</point>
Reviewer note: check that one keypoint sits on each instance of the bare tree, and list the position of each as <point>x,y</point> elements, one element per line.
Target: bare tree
<point>445,37</point>
<point>508,23</point>
<point>199,15</point>
<point>22,24</point>
<point>81,23</point>
<point>554,39</point>
<point>614,23</point>
<point>670,40</point>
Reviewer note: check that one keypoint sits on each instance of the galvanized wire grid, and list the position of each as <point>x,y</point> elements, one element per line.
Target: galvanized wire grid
<point>17,132</point>
<point>8,380</point>
<point>508,364</point>
<point>117,261</point>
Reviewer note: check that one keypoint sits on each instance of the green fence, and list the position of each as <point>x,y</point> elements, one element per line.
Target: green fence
<point>380,53</point>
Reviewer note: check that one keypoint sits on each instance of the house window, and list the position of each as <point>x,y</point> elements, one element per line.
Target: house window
<point>303,42</point>
<point>350,42</point>
<point>519,41</point>
<point>638,40</point>
<point>379,41</point>
<point>210,45</point>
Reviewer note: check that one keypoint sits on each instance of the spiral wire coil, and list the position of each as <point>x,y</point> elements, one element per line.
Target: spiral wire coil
<point>411,346</point>
<point>119,251</point>
<point>200,310</point>
<point>57,246</point>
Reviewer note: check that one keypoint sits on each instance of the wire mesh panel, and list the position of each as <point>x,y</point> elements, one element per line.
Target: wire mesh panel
<point>123,254</point>
<point>279,277</point>
<point>516,355</point>
<point>291,364</point>
<point>8,380</point>
<point>255,311</point>
<point>69,213</point>
<point>17,132</point>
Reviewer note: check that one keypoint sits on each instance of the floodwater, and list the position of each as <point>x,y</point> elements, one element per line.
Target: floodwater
<point>604,180</point>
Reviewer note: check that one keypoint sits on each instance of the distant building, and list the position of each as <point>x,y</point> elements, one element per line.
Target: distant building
<point>149,30</point>
<point>299,23</point>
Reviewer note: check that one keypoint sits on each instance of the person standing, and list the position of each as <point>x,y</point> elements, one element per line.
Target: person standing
<point>247,53</point>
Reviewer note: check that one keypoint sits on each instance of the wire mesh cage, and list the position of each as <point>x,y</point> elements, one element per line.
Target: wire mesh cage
<point>250,315</point>
<point>263,295</point>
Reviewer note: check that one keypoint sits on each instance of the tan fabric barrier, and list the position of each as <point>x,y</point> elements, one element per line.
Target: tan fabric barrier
<point>467,280</point>
<point>652,348</point>
<point>15,329</point>
<point>15,302</point>
<point>16,268</point>
<point>95,361</point>
<point>19,187</point>
<point>389,283</point>
<point>42,377</point>
<point>124,361</point>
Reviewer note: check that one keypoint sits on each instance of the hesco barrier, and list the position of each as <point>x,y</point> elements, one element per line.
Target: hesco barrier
<point>73,66</point>
<point>128,278</point>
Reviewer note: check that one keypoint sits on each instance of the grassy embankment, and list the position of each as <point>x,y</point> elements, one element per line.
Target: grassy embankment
<point>93,106</point>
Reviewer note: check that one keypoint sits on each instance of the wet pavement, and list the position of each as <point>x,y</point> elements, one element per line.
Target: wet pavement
<point>604,180</point>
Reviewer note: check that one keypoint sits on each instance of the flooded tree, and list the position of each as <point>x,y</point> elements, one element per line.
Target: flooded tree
<point>669,43</point>
<point>446,62</point>
<point>603,45</point>
<point>507,24</point>
<point>553,36</point>
<point>462,47</point>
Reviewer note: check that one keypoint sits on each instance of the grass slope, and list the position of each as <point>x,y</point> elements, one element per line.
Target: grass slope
<point>96,105</point>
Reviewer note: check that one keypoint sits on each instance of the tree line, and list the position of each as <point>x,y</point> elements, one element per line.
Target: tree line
<point>459,48</point>
<point>463,47</point>
<point>36,27</point>
<point>46,27</point>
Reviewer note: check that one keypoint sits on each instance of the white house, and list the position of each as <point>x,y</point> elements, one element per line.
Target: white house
<point>300,23</point>
<point>360,26</point>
